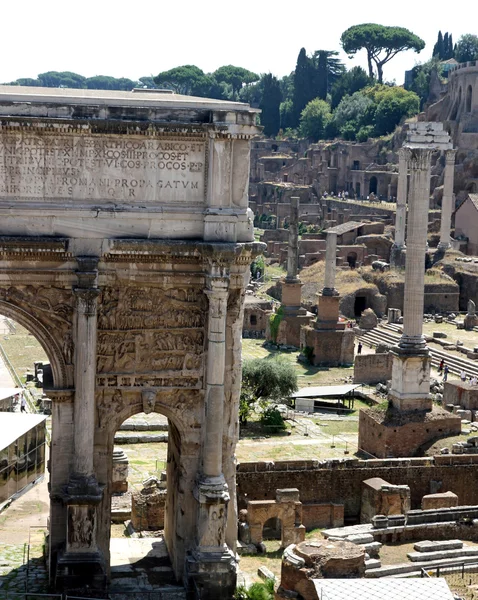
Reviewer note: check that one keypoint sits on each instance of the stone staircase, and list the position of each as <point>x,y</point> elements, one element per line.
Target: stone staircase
<point>390,334</point>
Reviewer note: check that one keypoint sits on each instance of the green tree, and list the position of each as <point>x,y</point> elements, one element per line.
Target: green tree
<point>286,115</point>
<point>265,380</point>
<point>450,52</point>
<point>392,104</point>
<point>105,82</point>
<point>467,48</point>
<point>61,79</point>
<point>329,68</point>
<point>439,48</point>
<point>270,105</point>
<point>381,43</point>
<point>322,75</point>
<point>236,77</point>
<point>353,108</point>
<point>314,119</point>
<point>187,79</point>
<point>304,85</point>
<point>421,78</point>
<point>350,82</point>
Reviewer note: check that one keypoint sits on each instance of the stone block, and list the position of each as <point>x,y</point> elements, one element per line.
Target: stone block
<point>287,495</point>
<point>441,500</point>
<point>428,546</point>
<point>265,574</point>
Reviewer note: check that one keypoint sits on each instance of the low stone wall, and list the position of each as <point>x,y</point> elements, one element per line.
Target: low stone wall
<point>382,436</point>
<point>322,515</point>
<point>340,481</point>
<point>372,368</point>
<point>460,393</point>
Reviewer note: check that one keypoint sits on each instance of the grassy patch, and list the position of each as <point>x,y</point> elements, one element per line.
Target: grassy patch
<point>23,349</point>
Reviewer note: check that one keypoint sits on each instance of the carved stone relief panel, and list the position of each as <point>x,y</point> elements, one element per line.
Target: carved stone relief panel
<point>151,337</point>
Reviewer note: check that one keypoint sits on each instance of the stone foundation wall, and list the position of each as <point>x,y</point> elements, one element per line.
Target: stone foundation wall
<point>372,368</point>
<point>458,392</point>
<point>382,439</point>
<point>340,482</point>
<point>322,515</point>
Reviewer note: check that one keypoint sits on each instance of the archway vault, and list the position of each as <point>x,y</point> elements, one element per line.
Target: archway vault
<point>50,340</point>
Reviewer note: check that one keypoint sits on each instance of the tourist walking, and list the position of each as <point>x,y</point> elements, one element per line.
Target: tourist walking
<point>359,348</point>
<point>463,375</point>
<point>23,404</point>
<point>445,372</point>
<point>440,366</point>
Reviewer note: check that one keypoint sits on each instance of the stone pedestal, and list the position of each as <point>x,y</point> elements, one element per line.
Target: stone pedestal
<point>410,388</point>
<point>330,347</point>
<point>328,313</point>
<point>291,297</point>
<point>82,565</point>
<point>119,476</point>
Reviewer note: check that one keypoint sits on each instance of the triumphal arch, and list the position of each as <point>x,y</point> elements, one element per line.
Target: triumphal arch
<point>125,245</point>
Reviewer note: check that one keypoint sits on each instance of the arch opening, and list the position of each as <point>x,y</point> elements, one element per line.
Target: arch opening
<point>373,185</point>
<point>143,497</point>
<point>352,259</point>
<point>469,96</point>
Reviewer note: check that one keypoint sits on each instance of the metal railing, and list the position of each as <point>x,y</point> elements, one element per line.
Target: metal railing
<point>462,578</point>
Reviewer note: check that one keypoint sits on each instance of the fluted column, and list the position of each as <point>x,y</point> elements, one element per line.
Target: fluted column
<point>85,375</point>
<point>401,213</point>
<point>412,339</point>
<point>217,293</point>
<point>293,249</point>
<point>85,365</point>
<point>330,265</point>
<point>447,200</point>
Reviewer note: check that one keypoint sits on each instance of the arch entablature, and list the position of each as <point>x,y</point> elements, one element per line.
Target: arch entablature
<point>50,339</point>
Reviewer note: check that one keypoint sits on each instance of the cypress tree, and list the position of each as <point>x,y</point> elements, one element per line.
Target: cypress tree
<point>270,104</point>
<point>438,47</point>
<point>322,75</point>
<point>451,51</point>
<point>304,85</point>
<point>443,55</point>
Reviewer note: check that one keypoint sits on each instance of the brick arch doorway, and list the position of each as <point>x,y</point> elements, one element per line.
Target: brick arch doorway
<point>181,462</point>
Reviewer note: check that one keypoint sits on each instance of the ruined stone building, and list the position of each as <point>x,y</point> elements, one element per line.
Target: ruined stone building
<point>125,244</point>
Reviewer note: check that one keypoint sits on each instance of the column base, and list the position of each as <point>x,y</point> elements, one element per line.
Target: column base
<point>81,573</point>
<point>410,389</point>
<point>213,575</point>
<point>411,345</point>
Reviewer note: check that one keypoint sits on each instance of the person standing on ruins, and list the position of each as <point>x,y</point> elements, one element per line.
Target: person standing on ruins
<point>359,348</point>
<point>23,403</point>
<point>445,373</point>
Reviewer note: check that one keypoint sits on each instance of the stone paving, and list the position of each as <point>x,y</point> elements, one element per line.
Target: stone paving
<point>17,577</point>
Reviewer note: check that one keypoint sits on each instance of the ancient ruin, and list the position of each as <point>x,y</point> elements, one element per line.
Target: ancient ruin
<point>330,342</point>
<point>384,435</point>
<point>125,249</point>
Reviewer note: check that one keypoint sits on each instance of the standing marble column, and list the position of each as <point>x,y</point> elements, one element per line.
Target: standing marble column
<point>217,293</point>
<point>401,212</point>
<point>293,249</point>
<point>85,375</point>
<point>414,293</point>
<point>213,564</point>
<point>82,564</point>
<point>447,200</point>
<point>330,265</point>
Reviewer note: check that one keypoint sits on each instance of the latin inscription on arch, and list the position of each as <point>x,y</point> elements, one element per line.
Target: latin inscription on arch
<point>129,169</point>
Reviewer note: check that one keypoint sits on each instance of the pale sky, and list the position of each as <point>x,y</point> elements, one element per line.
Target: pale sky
<point>102,37</point>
